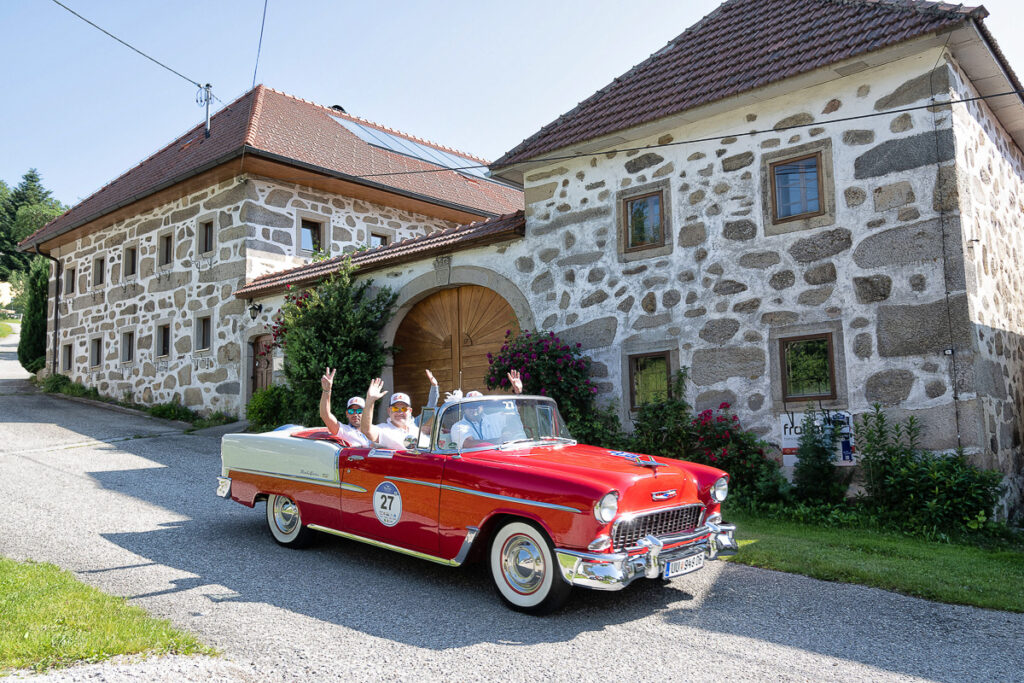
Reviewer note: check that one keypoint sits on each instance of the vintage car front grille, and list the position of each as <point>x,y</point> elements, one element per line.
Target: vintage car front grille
<point>627,532</point>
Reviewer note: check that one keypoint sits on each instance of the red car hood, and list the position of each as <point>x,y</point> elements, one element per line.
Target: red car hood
<point>608,470</point>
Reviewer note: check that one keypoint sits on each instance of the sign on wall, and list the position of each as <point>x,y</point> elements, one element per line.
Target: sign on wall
<point>791,425</point>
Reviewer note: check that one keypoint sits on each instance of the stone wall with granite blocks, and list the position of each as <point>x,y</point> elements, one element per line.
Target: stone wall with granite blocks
<point>873,268</point>
<point>989,188</point>
<point>255,230</point>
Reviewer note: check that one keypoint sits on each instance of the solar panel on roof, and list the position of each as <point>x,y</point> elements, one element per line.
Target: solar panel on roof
<point>411,148</point>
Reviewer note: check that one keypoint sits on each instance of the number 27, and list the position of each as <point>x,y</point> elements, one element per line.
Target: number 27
<point>386,501</point>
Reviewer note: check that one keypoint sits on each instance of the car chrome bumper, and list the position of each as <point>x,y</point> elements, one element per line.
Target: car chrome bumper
<point>615,571</point>
<point>224,486</point>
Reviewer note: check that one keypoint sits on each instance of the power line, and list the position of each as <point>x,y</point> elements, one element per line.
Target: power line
<point>132,47</point>
<point>566,157</point>
<point>259,47</point>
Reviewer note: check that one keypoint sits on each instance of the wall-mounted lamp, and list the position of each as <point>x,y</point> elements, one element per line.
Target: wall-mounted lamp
<point>254,310</point>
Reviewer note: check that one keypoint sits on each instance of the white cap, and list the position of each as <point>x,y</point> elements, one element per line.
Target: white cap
<point>473,394</point>
<point>400,398</point>
<point>356,401</point>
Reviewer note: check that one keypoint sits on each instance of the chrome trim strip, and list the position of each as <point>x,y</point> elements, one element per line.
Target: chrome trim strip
<point>345,486</point>
<point>413,481</point>
<point>630,516</point>
<point>290,477</point>
<point>467,543</point>
<point>512,499</point>
<point>673,539</point>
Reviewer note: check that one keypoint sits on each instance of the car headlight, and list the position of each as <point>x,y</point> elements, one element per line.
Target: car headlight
<point>606,508</point>
<point>720,489</point>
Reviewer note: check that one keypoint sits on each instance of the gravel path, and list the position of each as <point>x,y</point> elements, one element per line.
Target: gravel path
<point>127,504</point>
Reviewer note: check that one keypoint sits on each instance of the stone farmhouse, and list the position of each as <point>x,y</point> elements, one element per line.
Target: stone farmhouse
<point>799,200</point>
<point>142,301</point>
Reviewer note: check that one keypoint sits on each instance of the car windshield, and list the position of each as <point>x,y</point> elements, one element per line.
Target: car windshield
<point>500,422</point>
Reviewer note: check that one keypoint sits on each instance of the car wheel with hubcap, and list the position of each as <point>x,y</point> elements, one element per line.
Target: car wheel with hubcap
<point>525,571</point>
<point>285,522</point>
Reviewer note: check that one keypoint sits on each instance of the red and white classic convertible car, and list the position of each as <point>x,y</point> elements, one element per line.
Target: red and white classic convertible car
<point>509,485</point>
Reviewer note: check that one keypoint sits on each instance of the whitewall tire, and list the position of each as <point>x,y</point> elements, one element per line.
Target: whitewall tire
<point>285,522</point>
<point>525,571</point>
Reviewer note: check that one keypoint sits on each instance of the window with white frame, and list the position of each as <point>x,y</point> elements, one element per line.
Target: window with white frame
<point>311,236</point>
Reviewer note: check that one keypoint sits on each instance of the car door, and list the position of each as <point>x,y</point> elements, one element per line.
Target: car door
<point>393,496</point>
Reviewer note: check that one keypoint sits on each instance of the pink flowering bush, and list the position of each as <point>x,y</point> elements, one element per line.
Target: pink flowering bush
<point>550,366</point>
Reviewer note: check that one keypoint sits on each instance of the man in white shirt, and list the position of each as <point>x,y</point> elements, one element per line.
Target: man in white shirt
<point>393,432</point>
<point>349,433</point>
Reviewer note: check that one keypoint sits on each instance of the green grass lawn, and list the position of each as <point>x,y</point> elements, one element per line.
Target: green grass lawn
<point>5,329</point>
<point>48,619</point>
<point>956,574</point>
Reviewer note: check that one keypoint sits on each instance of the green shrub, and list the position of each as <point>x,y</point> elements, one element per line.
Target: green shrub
<point>32,343</point>
<point>335,324</point>
<point>173,411</point>
<point>270,408</point>
<point>55,383</point>
<point>815,477</point>
<point>926,493</point>
<point>669,428</point>
<point>550,367</point>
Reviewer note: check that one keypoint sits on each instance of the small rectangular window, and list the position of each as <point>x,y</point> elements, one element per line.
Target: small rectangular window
<point>163,340</point>
<point>378,240</point>
<point>69,281</point>
<point>98,271</point>
<point>95,352</point>
<point>808,371</point>
<point>65,357</point>
<point>648,378</point>
<point>311,236</point>
<point>127,347</point>
<point>131,261</point>
<point>796,187</point>
<point>643,218</point>
<point>206,237</point>
<point>204,332</point>
<point>166,248</point>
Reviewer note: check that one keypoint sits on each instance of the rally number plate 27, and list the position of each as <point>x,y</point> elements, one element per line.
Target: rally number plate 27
<point>684,565</point>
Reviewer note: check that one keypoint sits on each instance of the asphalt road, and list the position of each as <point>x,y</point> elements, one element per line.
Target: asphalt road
<point>127,503</point>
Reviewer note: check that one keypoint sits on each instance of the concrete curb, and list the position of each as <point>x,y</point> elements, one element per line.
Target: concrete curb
<point>177,424</point>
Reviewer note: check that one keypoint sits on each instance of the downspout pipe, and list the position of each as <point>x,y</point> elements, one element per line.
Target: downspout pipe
<point>56,308</point>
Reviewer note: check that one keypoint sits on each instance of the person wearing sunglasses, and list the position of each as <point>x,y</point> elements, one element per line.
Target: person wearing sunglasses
<point>393,432</point>
<point>349,433</point>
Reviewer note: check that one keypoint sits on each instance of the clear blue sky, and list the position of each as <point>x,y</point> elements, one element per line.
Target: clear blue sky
<point>475,75</point>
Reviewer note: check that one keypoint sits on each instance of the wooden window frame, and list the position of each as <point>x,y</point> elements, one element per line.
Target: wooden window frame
<point>321,229</point>
<point>97,344</point>
<point>783,341</point>
<point>821,188</point>
<point>130,346</point>
<point>662,225</point>
<point>632,370</point>
<point>206,236</point>
<point>99,267</point>
<point>156,341</point>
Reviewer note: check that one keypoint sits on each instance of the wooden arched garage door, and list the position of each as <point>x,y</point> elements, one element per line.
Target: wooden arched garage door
<point>450,331</point>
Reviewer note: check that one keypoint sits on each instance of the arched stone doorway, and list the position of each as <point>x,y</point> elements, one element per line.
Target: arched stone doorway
<point>449,332</point>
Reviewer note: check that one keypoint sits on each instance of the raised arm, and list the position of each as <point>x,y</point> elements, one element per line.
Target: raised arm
<point>516,381</point>
<point>373,394</point>
<point>434,391</point>
<point>326,382</point>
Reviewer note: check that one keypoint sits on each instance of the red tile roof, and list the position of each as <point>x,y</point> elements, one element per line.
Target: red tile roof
<point>503,228</point>
<point>740,46</point>
<point>279,126</point>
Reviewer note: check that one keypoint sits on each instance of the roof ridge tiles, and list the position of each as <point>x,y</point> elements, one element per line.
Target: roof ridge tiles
<point>381,126</point>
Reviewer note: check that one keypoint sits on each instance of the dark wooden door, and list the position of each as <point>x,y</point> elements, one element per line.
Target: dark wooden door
<point>262,362</point>
<point>450,332</point>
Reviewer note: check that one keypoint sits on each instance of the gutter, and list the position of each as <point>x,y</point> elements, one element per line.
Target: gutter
<point>56,306</point>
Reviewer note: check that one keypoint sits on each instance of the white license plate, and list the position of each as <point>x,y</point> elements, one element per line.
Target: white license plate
<point>684,565</point>
<point>223,487</point>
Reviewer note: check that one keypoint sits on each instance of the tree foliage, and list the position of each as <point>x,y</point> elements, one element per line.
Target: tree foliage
<point>32,345</point>
<point>815,478</point>
<point>23,210</point>
<point>335,324</point>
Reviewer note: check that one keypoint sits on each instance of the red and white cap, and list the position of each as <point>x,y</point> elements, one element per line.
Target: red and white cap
<point>399,397</point>
<point>473,394</point>
<point>356,401</point>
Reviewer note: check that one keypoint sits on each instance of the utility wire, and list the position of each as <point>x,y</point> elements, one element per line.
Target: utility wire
<point>259,47</point>
<point>566,157</point>
<point>132,47</point>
